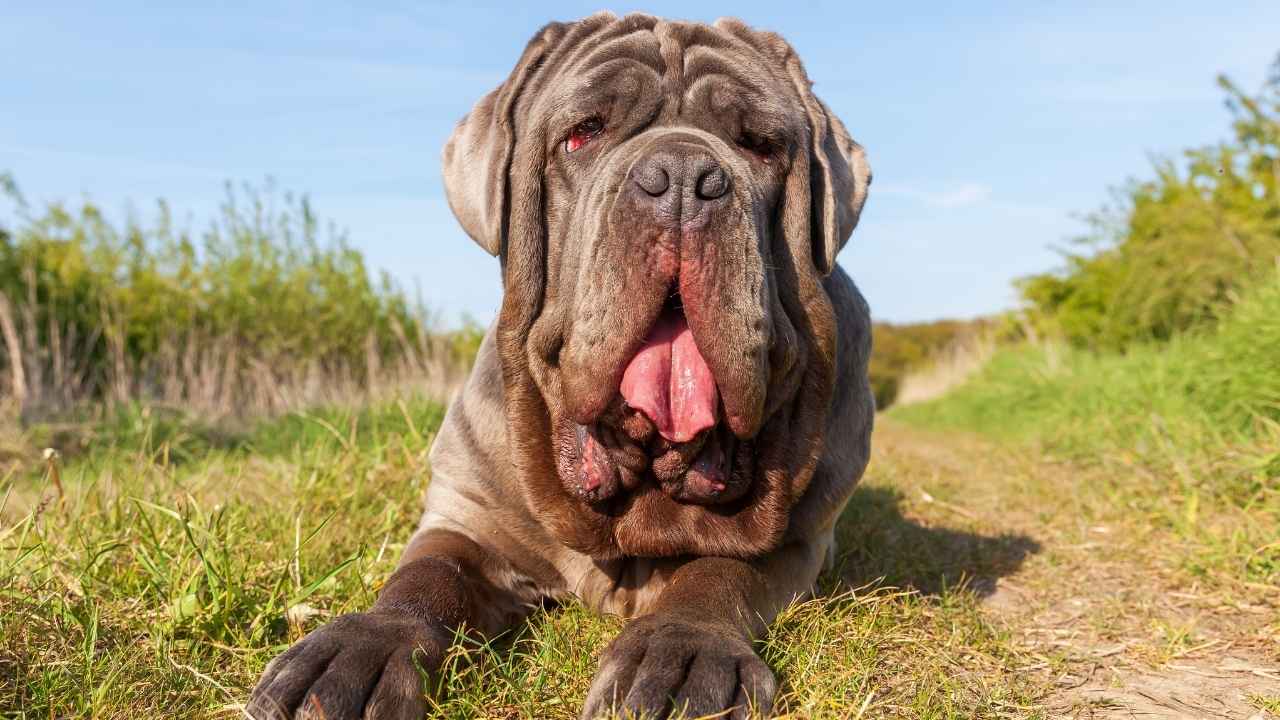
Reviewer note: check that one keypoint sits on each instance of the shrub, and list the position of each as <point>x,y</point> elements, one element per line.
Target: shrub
<point>1176,250</point>
<point>266,309</point>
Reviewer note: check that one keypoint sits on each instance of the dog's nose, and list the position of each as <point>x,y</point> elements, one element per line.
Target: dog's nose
<point>713,183</point>
<point>652,177</point>
<point>682,183</point>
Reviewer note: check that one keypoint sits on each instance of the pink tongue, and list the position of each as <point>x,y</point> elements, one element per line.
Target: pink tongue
<point>669,381</point>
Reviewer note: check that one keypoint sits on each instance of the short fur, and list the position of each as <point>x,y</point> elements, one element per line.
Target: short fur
<point>586,270</point>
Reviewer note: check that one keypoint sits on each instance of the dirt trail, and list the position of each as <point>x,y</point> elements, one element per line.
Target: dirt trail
<point>1090,591</point>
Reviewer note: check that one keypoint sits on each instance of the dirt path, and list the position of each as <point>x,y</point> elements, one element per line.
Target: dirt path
<point>1097,596</point>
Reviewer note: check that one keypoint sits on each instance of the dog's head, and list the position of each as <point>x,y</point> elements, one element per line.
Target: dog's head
<point>666,200</point>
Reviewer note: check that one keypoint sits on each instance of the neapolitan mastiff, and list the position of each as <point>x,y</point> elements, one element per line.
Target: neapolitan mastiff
<point>672,407</point>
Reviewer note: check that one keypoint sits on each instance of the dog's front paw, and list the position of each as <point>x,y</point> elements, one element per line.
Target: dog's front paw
<point>363,665</point>
<point>661,666</point>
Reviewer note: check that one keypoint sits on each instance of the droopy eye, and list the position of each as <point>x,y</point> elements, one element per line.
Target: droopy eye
<point>583,133</point>
<point>758,145</point>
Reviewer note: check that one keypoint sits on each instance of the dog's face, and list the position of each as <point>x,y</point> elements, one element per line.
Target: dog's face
<point>666,199</point>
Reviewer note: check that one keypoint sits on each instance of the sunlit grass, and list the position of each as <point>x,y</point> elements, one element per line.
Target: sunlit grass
<point>163,586</point>
<point>183,557</point>
<point>1191,427</point>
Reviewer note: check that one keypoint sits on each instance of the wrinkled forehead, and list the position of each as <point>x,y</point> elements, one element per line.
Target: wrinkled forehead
<point>687,68</point>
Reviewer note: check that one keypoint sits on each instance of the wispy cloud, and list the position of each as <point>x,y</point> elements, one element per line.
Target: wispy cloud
<point>963,196</point>
<point>959,196</point>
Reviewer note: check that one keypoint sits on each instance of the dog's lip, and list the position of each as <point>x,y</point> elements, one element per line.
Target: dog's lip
<point>610,465</point>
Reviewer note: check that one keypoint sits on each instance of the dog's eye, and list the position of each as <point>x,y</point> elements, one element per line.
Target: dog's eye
<point>583,133</point>
<point>757,145</point>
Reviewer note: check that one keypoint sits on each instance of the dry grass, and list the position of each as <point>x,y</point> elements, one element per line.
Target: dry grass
<point>178,563</point>
<point>265,310</point>
<point>220,384</point>
<point>212,376</point>
<point>974,582</point>
<point>1107,614</point>
<point>947,369</point>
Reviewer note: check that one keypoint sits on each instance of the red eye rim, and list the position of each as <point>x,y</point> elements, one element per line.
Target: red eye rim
<point>583,133</point>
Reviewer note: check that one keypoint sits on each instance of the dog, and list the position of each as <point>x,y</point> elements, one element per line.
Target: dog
<point>671,409</point>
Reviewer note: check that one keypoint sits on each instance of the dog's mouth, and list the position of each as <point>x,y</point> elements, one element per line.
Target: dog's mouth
<point>664,427</point>
<point>669,381</point>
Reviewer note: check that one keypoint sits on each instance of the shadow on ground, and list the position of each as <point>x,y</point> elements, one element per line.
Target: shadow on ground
<point>877,544</point>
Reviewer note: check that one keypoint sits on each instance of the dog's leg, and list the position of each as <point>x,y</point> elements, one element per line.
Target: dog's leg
<point>365,665</point>
<point>692,653</point>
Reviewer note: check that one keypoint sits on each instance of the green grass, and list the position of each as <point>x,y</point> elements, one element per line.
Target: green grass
<point>1196,421</point>
<point>184,556</point>
<point>1269,703</point>
<point>163,580</point>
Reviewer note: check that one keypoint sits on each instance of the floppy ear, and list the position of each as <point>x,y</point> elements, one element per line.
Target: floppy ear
<point>477,157</point>
<point>839,175</point>
<point>842,170</point>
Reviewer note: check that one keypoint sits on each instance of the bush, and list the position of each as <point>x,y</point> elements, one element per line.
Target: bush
<point>1176,250</point>
<point>265,308</point>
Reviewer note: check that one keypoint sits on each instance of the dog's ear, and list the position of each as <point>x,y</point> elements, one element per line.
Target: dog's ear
<point>477,157</point>
<point>839,176</point>
<point>838,173</point>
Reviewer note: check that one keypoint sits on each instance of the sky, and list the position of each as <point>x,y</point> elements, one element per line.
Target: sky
<point>992,127</point>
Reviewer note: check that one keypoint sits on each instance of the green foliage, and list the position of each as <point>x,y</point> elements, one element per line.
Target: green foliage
<point>1176,250</point>
<point>1203,409</point>
<point>360,428</point>
<point>114,307</point>
<point>158,588</point>
<point>898,349</point>
<point>161,588</point>
<point>139,429</point>
<point>464,343</point>
<point>1222,383</point>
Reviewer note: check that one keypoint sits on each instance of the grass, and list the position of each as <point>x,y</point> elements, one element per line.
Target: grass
<point>1270,703</point>
<point>267,309</point>
<point>183,557</point>
<point>168,574</point>
<point>1190,429</point>
<point>1123,526</point>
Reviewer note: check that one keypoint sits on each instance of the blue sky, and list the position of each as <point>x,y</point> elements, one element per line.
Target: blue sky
<point>991,126</point>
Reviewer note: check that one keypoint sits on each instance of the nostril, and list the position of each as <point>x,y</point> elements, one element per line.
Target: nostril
<point>713,184</point>
<point>653,180</point>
